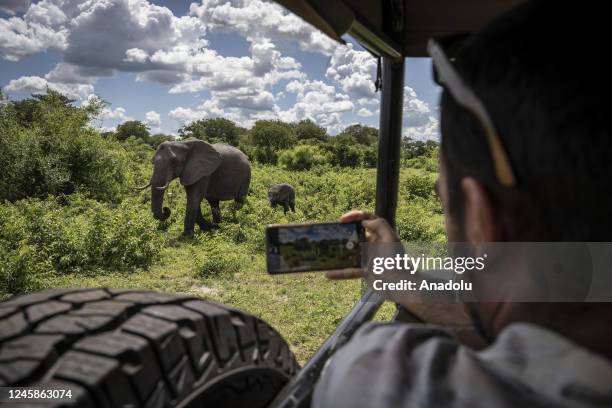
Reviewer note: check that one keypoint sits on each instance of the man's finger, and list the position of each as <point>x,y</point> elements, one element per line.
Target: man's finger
<point>348,273</point>
<point>380,228</point>
<point>374,224</point>
<point>356,215</point>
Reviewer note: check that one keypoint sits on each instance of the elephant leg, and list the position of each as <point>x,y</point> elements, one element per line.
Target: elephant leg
<point>192,210</point>
<point>292,205</point>
<point>216,211</point>
<point>202,223</point>
<point>285,207</point>
<point>239,202</point>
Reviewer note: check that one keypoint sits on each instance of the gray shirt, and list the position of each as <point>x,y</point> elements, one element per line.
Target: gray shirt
<point>417,365</point>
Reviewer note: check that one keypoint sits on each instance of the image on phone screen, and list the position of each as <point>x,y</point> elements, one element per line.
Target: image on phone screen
<point>313,247</point>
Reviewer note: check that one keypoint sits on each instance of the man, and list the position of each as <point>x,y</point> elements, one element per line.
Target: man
<point>531,160</point>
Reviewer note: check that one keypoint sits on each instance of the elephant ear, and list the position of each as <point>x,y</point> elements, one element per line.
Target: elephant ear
<point>202,160</point>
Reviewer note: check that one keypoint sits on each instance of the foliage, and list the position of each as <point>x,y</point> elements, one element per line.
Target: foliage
<point>155,140</point>
<point>28,111</point>
<point>268,137</point>
<point>132,128</point>
<point>73,234</point>
<point>101,233</point>
<point>345,154</point>
<point>52,150</point>
<point>428,162</point>
<point>416,148</point>
<point>303,157</point>
<point>358,133</point>
<point>215,130</point>
<point>307,129</point>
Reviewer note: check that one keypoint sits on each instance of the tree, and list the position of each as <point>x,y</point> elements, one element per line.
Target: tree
<point>362,134</point>
<point>272,133</point>
<point>53,150</point>
<point>132,128</point>
<point>269,137</point>
<point>30,110</point>
<point>303,157</point>
<point>415,148</point>
<point>155,140</point>
<point>370,156</point>
<point>307,129</point>
<point>345,154</point>
<point>216,130</point>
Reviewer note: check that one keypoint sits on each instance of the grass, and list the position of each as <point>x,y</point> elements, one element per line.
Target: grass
<point>305,308</point>
<point>228,265</point>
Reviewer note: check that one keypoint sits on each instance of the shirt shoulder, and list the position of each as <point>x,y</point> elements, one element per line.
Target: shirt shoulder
<point>406,365</point>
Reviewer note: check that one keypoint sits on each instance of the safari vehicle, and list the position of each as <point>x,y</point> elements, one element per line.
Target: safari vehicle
<point>118,347</point>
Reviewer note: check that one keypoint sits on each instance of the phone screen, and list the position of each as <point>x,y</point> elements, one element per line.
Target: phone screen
<point>313,247</point>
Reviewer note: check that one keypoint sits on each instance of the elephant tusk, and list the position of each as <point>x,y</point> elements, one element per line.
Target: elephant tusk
<point>143,187</point>
<point>162,188</point>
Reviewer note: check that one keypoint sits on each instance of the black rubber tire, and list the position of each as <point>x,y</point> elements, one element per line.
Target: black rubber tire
<point>118,347</point>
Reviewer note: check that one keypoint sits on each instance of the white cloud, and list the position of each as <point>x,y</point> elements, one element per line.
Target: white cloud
<point>317,101</point>
<point>419,121</point>
<point>364,112</point>
<point>117,113</point>
<point>186,115</point>
<point>36,84</point>
<point>354,71</point>
<point>256,19</point>
<point>136,55</point>
<point>103,37</point>
<point>27,84</point>
<point>19,38</point>
<point>153,119</point>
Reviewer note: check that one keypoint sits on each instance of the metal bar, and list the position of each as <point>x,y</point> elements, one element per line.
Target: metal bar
<point>390,136</point>
<point>298,392</point>
<point>377,43</point>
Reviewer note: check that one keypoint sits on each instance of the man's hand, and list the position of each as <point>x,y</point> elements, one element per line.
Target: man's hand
<point>376,230</point>
<point>450,315</point>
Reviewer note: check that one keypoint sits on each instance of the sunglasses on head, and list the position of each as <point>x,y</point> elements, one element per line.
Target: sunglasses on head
<point>447,76</point>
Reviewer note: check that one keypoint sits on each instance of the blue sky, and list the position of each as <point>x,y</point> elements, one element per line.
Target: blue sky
<point>170,62</point>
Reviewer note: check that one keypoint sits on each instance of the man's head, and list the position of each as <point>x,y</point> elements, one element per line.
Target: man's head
<point>542,76</point>
<point>544,83</point>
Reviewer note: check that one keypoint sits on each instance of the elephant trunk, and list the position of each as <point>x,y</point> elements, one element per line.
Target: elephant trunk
<point>157,200</point>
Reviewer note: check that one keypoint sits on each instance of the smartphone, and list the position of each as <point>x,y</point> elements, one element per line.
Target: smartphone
<point>313,247</point>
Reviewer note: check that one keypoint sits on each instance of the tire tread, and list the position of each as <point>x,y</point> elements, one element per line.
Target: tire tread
<point>137,348</point>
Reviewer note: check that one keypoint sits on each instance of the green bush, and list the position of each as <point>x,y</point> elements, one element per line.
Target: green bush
<point>67,209</point>
<point>303,157</point>
<point>345,155</point>
<point>73,234</point>
<point>52,150</point>
<point>427,162</point>
<point>370,156</point>
<point>212,130</point>
<point>269,137</point>
<point>418,184</point>
<point>264,155</point>
<point>415,223</point>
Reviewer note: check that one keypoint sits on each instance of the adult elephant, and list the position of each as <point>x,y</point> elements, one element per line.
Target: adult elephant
<point>215,172</point>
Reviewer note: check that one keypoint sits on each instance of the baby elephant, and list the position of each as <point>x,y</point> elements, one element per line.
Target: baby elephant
<point>283,194</point>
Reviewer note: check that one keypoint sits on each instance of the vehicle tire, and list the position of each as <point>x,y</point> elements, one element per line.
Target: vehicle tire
<point>118,347</point>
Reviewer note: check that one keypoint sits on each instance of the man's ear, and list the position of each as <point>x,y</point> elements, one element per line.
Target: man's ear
<point>479,215</point>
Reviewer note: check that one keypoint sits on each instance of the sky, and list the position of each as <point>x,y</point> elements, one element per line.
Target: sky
<point>167,63</point>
